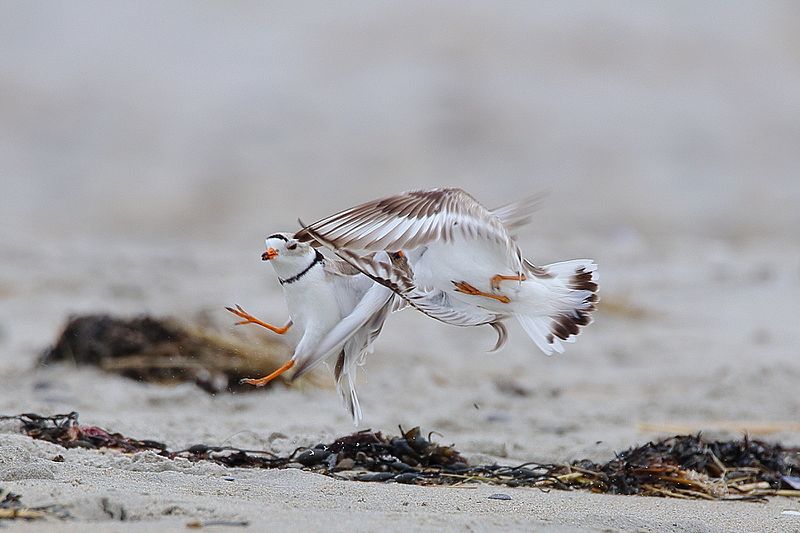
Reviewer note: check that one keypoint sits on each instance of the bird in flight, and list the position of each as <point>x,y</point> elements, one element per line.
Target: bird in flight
<point>462,264</point>
<point>437,250</point>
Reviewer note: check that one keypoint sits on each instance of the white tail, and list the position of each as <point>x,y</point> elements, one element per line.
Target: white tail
<point>569,291</point>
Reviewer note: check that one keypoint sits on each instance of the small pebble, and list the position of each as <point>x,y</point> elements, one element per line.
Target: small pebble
<point>229,478</point>
<point>408,477</point>
<point>312,456</point>
<point>499,496</point>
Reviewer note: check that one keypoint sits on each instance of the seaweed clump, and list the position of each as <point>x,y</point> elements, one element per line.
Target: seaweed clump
<point>689,466</point>
<point>164,351</point>
<point>685,466</point>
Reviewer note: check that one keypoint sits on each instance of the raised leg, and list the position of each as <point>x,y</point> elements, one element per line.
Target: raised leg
<point>466,288</point>
<point>250,319</point>
<point>260,382</point>
<point>495,281</point>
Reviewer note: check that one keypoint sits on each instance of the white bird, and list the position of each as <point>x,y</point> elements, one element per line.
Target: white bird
<point>464,267</point>
<point>339,310</point>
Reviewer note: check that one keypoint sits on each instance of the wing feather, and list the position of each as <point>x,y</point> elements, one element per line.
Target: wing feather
<point>411,219</point>
<point>518,214</point>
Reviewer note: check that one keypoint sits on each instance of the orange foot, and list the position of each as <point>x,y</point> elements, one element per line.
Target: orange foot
<point>260,382</point>
<point>466,288</point>
<point>495,281</point>
<point>250,319</point>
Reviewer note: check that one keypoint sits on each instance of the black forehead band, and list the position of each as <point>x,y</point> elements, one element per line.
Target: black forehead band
<point>278,236</point>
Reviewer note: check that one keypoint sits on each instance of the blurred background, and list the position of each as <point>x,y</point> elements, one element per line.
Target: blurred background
<point>228,120</point>
<point>147,148</point>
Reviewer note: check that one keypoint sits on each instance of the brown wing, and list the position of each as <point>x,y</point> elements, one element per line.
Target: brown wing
<point>409,220</point>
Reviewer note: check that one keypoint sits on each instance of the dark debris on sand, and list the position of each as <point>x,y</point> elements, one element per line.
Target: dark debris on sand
<point>11,508</point>
<point>8,500</point>
<point>164,351</point>
<point>685,466</point>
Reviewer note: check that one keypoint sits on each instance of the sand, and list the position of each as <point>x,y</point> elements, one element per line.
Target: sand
<point>671,348</point>
<point>147,152</point>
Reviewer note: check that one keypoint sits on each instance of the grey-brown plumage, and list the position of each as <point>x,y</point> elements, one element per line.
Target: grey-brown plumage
<point>417,218</point>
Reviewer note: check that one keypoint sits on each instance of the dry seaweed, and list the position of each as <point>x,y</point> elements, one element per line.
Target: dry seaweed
<point>164,351</point>
<point>65,431</point>
<point>690,466</point>
<point>685,466</point>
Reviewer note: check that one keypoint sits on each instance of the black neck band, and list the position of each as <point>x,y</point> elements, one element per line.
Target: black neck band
<point>318,258</point>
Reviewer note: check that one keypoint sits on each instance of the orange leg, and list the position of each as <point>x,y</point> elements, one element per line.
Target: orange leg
<point>495,281</point>
<point>260,382</point>
<point>466,288</point>
<point>250,319</point>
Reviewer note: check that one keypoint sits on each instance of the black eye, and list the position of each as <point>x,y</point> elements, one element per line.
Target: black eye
<point>291,245</point>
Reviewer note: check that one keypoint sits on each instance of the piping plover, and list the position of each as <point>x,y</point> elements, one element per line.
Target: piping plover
<point>339,310</point>
<point>463,266</point>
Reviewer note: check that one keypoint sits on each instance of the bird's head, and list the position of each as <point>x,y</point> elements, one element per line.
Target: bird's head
<point>284,247</point>
<point>286,253</point>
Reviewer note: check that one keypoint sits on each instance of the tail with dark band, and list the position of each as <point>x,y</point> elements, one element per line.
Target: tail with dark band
<point>565,297</point>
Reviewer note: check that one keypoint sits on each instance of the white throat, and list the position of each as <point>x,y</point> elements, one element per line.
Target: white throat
<point>292,269</point>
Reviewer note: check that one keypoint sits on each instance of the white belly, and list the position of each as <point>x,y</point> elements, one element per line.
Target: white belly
<point>477,262</point>
<point>312,303</point>
<point>471,261</point>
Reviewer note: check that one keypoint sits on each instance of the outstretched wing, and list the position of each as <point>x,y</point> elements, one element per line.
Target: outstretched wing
<point>412,219</point>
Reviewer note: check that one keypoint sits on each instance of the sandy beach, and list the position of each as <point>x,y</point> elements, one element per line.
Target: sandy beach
<point>648,360</point>
<point>146,157</point>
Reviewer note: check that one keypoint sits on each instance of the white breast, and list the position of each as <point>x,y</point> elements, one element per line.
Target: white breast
<point>312,302</point>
